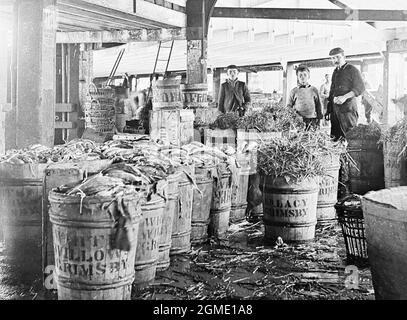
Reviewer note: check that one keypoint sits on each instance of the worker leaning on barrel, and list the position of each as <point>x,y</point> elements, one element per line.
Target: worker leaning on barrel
<point>304,98</point>
<point>234,95</point>
<point>346,85</point>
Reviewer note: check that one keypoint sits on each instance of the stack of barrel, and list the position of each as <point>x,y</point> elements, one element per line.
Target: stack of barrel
<point>168,121</point>
<point>99,110</point>
<point>195,98</point>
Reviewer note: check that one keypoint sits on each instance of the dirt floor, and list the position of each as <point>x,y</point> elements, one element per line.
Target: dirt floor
<point>243,267</point>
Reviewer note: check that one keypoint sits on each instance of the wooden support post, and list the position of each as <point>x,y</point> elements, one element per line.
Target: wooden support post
<point>3,91</point>
<point>85,77</point>
<point>10,123</point>
<point>289,81</point>
<point>216,83</point>
<point>36,43</point>
<point>197,61</point>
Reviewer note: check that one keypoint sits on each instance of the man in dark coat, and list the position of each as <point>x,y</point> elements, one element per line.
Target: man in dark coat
<point>234,95</point>
<point>346,85</point>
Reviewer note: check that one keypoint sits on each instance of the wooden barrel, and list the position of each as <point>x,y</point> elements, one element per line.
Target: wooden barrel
<point>167,94</point>
<point>328,190</point>
<point>251,139</point>
<point>148,241</point>
<point>86,265</point>
<point>220,205</point>
<point>221,138</point>
<point>290,209</point>
<point>21,215</point>
<point>195,95</point>
<point>369,160</point>
<point>55,175</point>
<point>170,211</point>
<point>201,205</point>
<point>385,217</point>
<point>395,171</point>
<point>181,228</point>
<point>239,190</point>
<point>99,110</point>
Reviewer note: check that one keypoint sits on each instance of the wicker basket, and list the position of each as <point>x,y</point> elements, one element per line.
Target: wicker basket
<point>350,218</point>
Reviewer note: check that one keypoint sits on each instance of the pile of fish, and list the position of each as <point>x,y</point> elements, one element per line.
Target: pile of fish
<point>75,150</point>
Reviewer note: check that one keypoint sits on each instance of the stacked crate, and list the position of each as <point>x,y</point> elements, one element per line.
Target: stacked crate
<point>168,121</point>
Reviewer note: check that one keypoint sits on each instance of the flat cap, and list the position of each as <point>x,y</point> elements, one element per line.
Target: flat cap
<point>232,66</point>
<point>336,51</point>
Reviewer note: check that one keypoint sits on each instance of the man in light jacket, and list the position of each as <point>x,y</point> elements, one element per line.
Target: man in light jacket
<point>234,95</point>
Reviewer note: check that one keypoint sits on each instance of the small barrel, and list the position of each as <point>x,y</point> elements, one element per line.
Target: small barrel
<point>201,205</point>
<point>220,205</point>
<point>181,228</point>
<point>328,190</point>
<point>385,218</point>
<point>86,265</point>
<point>167,94</point>
<point>395,169</point>
<point>147,252</point>
<point>21,215</point>
<point>221,138</point>
<point>290,209</point>
<point>368,157</point>
<point>239,190</point>
<point>170,211</point>
<point>194,95</point>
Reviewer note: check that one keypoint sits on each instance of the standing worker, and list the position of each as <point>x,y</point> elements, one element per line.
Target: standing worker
<point>234,95</point>
<point>347,84</point>
<point>305,99</point>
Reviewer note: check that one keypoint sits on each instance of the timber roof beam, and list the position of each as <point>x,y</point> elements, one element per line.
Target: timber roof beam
<point>310,14</point>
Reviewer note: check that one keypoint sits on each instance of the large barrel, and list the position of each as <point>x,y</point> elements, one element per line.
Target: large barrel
<point>219,139</point>
<point>21,216</point>
<point>86,265</point>
<point>239,190</point>
<point>148,241</point>
<point>194,95</point>
<point>55,175</point>
<point>167,94</point>
<point>328,190</point>
<point>201,205</point>
<point>100,110</point>
<point>395,169</point>
<point>170,211</point>
<point>385,214</point>
<point>181,228</point>
<point>290,209</point>
<point>368,157</point>
<point>220,205</point>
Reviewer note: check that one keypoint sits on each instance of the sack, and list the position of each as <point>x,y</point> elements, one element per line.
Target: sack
<point>121,238</point>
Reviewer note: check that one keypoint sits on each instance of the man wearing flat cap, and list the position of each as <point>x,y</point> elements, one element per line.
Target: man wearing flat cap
<point>346,85</point>
<point>234,95</point>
